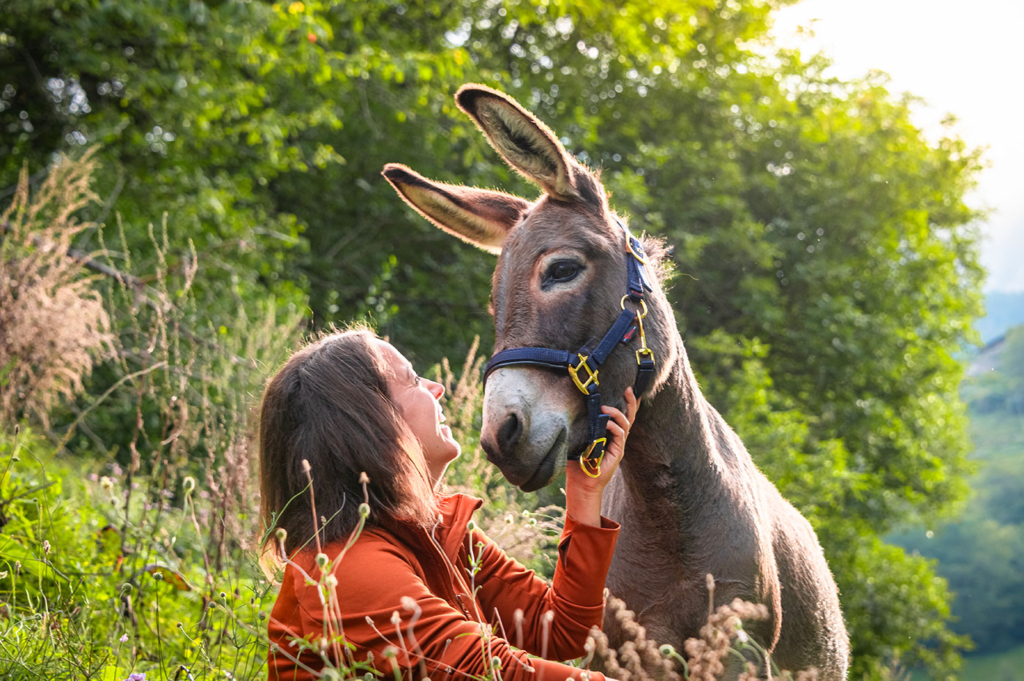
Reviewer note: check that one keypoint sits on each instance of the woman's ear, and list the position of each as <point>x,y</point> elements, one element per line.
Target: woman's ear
<point>524,142</point>
<point>481,217</point>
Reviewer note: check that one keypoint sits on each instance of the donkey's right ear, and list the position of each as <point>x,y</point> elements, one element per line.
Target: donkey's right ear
<point>481,217</point>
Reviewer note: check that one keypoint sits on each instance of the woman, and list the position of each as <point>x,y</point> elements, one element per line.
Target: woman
<point>350,434</point>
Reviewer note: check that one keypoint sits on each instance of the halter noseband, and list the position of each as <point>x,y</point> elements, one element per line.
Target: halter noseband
<point>584,364</point>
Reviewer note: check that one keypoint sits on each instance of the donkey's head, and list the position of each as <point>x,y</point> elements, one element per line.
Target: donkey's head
<point>560,277</point>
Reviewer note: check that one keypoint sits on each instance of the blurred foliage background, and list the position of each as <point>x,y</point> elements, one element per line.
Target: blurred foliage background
<point>981,552</point>
<point>828,273</point>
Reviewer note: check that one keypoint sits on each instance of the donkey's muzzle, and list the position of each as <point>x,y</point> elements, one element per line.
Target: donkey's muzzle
<point>500,443</point>
<point>525,426</point>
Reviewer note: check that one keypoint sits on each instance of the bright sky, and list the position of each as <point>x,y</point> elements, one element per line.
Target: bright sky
<point>963,58</point>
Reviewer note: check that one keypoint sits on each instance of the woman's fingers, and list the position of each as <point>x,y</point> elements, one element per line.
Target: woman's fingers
<point>632,404</point>
<point>617,417</point>
<point>620,423</point>
<point>618,441</point>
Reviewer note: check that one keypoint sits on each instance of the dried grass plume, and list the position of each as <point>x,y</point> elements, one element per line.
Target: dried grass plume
<point>53,324</point>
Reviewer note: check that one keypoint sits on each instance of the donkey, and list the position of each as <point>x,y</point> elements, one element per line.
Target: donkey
<point>688,496</point>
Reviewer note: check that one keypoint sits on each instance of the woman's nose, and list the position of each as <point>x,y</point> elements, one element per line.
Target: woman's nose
<point>436,389</point>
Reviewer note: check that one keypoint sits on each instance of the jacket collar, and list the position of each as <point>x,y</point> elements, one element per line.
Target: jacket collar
<point>455,512</point>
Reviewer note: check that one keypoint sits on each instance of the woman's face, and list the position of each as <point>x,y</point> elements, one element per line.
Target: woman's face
<point>417,401</point>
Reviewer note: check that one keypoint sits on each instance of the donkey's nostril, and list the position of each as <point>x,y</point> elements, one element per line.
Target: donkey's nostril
<point>508,434</point>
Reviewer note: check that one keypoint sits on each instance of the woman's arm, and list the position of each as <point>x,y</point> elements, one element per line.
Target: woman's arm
<point>386,609</point>
<point>555,620</point>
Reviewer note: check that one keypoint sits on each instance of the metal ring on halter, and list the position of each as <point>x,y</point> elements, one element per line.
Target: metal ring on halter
<point>584,462</point>
<point>630,249</point>
<point>587,460</point>
<point>643,305</point>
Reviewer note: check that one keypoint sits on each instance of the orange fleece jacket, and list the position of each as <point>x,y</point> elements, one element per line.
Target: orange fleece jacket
<point>445,638</point>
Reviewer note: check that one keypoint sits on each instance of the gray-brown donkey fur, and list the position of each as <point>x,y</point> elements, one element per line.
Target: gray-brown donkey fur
<point>688,495</point>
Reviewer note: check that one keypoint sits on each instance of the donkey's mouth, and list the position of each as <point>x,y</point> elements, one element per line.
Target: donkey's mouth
<point>546,470</point>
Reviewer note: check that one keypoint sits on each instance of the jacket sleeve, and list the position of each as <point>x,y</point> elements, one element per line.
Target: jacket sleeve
<point>388,612</point>
<point>575,597</point>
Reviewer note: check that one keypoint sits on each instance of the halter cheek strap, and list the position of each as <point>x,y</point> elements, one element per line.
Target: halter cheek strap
<point>584,365</point>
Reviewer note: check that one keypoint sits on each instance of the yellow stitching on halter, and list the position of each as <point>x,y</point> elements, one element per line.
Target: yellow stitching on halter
<point>643,305</point>
<point>591,375</point>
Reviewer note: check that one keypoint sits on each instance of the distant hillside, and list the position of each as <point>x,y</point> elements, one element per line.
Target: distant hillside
<point>1002,310</point>
<point>981,553</point>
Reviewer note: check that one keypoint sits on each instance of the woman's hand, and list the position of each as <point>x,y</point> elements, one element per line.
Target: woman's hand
<point>582,492</point>
<point>618,428</point>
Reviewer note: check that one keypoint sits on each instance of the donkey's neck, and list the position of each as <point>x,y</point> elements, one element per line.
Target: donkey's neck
<point>676,482</point>
<point>679,435</point>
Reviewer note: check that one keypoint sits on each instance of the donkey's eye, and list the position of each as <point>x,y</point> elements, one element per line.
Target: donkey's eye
<point>561,271</point>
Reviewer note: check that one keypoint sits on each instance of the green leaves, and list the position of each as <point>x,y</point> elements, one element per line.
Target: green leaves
<point>827,263</point>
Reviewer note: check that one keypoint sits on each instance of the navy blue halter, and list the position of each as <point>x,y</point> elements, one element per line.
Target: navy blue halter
<point>584,364</point>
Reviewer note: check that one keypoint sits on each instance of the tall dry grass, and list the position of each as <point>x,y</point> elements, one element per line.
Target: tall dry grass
<point>54,325</point>
<point>142,562</point>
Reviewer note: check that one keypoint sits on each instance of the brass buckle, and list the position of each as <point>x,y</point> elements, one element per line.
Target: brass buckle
<point>643,306</point>
<point>596,464</point>
<point>629,248</point>
<point>591,375</point>
<point>645,351</point>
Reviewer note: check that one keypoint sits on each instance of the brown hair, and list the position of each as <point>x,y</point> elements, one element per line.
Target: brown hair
<point>330,406</point>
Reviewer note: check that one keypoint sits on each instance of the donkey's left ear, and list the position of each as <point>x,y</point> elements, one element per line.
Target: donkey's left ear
<point>481,217</point>
<point>524,142</point>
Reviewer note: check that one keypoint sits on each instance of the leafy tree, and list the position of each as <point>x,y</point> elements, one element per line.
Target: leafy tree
<point>828,263</point>
<point>191,104</point>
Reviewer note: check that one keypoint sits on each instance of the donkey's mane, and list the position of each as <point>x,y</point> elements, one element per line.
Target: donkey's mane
<point>658,261</point>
